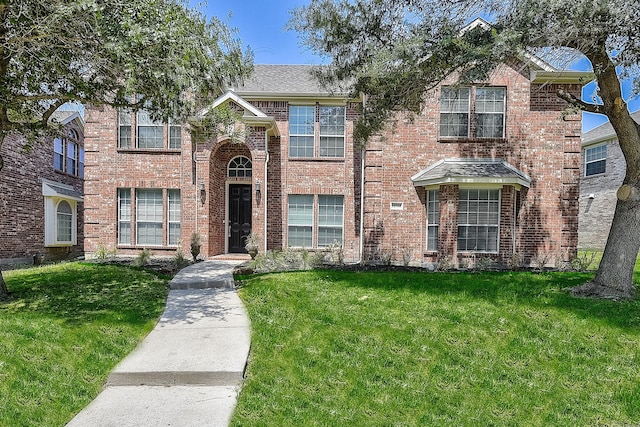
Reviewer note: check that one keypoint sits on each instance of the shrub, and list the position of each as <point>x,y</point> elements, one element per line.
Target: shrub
<point>143,257</point>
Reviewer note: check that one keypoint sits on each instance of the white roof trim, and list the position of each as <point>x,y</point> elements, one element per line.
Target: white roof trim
<point>232,96</point>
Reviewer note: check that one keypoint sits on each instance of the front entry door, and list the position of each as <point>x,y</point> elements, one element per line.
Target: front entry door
<point>239,216</point>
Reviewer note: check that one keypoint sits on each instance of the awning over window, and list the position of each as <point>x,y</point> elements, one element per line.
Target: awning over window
<point>51,189</point>
<point>471,171</point>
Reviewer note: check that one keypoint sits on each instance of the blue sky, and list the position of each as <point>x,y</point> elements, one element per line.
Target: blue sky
<point>261,25</point>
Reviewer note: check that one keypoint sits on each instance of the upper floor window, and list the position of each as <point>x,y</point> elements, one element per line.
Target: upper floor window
<point>68,155</point>
<point>139,130</point>
<point>595,160</point>
<point>467,112</point>
<point>322,138</point>
<point>239,167</point>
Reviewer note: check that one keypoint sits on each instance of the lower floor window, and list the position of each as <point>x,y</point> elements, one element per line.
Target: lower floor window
<point>64,222</point>
<point>433,219</point>
<point>304,216</point>
<point>478,220</point>
<point>153,227</point>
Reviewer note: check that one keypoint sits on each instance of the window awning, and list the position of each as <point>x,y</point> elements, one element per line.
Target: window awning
<point>51,189</point>
<point>471,171</point>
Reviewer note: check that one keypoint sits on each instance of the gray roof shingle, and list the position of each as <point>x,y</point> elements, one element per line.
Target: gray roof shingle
<point>284,80</point>
<point>471,170</point>
<point>604,131</point>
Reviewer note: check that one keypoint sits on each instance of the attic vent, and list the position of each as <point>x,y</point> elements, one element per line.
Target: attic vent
<point>397,206</point>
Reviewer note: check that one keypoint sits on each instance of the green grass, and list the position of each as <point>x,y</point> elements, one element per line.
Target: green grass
<point>64,330</point>
<point>432,349</point>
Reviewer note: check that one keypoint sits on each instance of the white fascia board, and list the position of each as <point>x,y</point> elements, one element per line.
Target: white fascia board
<point>230,95</point>
<point>579,77</point>
<point>462,180</point>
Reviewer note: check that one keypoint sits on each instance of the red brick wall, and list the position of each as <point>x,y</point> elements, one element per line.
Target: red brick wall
<point>22,203</point>
<point>538,141</point>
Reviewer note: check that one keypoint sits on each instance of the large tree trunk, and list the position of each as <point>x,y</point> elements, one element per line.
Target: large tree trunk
<point>614,279</point>
<point>4,292</point>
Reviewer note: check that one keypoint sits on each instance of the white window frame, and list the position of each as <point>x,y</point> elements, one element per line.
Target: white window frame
<point>306,202</point>
<point>68,216</point>
<point>587,161</point>
<point>173,216</point>
<point>450,105</point>
<point>477,223</point>
<point>333,130</point>
<point>472,109</point>
<point>433,211</point>
<point>240,167</point>
<point>129,125</point>
<point>324,219</point>
<point>150,218</point>
<point>294,135</point>
<point>51,204</point>
<point>124,215</point>
<point>490,111</point>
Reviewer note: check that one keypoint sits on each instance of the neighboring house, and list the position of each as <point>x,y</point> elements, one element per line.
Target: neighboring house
<point>488,170</point>
<point>41,195</point>
<point>603,170</point>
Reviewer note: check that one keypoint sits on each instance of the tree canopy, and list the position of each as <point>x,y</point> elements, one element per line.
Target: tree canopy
<point>397,50</point>
<point>169,57</point>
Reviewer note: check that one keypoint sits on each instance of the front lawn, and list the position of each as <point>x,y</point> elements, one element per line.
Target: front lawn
<point>64,330</point>
<point>430,349</point>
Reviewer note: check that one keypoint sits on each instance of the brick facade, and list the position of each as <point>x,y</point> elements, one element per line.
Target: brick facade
<point>22,204</point>
<point>535,220</point>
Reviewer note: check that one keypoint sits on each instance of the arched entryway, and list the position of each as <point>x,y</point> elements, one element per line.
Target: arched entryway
<point>239,203</point>
<point>231,202</point>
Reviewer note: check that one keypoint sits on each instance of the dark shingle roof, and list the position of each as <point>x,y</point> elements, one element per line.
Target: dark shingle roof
<point>604,131</point>
<point>471,170</point>
<point>284,80</point>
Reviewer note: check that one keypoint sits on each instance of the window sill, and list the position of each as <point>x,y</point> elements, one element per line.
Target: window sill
<point>470,140</point>
<point>63,173</point>
<point>317,159</point>
<point>149,151</point>
<point>150,247</point>
<point>597,175</point>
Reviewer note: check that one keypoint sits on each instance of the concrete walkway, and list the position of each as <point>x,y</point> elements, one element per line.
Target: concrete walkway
<point>189,369</point>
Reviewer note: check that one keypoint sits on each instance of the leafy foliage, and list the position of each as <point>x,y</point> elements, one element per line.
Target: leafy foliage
<point>103,52</point>
<point>397,51</point>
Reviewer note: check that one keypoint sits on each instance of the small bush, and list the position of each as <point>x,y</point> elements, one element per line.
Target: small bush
<point>180,260</point>
<point>143,257</point>
<point>584,261</point>
<point>103,254</point>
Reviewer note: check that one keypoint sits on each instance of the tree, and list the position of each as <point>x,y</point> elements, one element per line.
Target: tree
<point>153,54</point>
<point>397,50</point>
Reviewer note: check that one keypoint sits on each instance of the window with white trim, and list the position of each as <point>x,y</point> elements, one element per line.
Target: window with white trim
<point>472,112</point>
<point>478,220</point>
<point>173,217</point>
<point>433,219</point>
<point>124,216</point>
<point>64,222</point>
<point>149,217</point>
<point>140,131</point>
<point>300,230</point>
<point>332,128</point>
<point>68,154</point>
<point>595,160</point>
<point>308,213</point>
<point>240,167</point>
<point>330,220</point>
<point>322,138</point>
<point>155,220</point>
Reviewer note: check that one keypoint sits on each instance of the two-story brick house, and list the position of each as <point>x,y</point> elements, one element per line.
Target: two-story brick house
<point>41,195</point>
<point>490,169</point>
<point>603,170</point>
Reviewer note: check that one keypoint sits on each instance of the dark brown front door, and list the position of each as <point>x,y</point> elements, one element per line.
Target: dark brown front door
<point>239,216</point>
